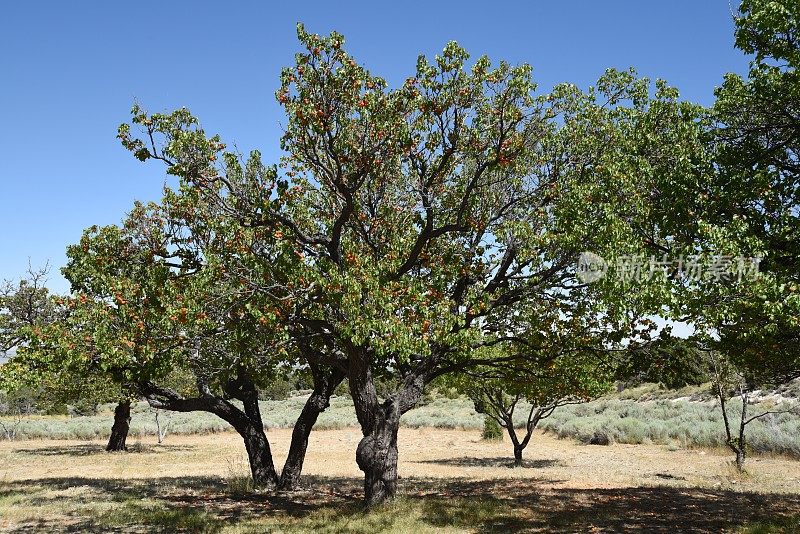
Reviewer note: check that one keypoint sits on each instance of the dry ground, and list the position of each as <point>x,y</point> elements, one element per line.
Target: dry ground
<point>451,481</point>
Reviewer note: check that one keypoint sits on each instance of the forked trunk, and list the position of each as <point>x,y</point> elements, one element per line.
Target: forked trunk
<point>119,431</point>
<point>377,456</point>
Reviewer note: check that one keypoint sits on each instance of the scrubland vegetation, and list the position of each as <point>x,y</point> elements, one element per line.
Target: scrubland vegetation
<point>682,418</point>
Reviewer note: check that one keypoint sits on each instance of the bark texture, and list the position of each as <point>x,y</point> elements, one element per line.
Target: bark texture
<point>119,431</point>
<point>325,382</point>
<point>376,454</point>
<point>247,422</point>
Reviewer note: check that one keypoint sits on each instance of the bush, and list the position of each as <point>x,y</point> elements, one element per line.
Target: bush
<point>57,409</point>
<point>492,431</point>
<point>671,423</point>
<point>343,389</point>
<point>675,423</point>
<point>278,389</point>
<point>82,407</point>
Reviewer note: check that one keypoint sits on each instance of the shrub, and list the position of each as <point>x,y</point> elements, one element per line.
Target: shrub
<point>671,423</point>
<point>278,389</point>
<point>492,431</point>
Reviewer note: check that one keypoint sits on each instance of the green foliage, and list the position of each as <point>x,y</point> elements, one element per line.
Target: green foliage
<point>343,389</point>
<point>18,401</point>
<point>746,204</point>
<point>673,362</point>
<point>492,431</point>
<point>82,407</point>
<point>277,389</point>
<point>24,306</point>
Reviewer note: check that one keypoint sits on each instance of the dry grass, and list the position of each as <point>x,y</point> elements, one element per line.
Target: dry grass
<point>451,481</point>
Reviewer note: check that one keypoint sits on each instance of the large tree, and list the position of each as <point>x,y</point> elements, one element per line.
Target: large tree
<point>141,307</point>
<point>426,217</point>
<point>153,295</point>
<point>756,190</point>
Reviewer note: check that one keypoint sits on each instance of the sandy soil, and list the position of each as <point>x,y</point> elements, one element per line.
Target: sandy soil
<point>428,453</point>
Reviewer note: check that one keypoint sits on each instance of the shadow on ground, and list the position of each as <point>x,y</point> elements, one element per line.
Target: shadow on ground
<point>325,504</point>
<point>470,461</point>
<point>97,448</point>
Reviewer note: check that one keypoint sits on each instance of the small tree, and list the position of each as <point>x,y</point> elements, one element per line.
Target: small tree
<point>729,381</point>
<point>561,381</point>
<point>162,425</point>
<point>492,431</point>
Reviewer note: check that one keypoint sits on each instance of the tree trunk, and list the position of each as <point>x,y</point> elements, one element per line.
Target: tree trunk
<point>741,452</point>
<point>255,441</point>
<point>247,423</point>
<point>260,457</point>
<point>318,401</point>
<point>119,431</point>
<point>377,456</point>
<point>518,456</point>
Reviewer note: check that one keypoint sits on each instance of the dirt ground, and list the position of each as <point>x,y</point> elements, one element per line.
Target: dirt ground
<point>564,486</point>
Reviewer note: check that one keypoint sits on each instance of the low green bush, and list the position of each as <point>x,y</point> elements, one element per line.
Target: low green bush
<point>492,431</point>
<point>672,423</point>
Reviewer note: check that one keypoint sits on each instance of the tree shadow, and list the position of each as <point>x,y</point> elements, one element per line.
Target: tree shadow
<point>469,461</point>
<point>333,504</point>
<point>90,449</point>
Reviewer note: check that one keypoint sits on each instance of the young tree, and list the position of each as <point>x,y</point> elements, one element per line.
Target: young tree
<point>564,380</point>
<point>24,305</point>
<point>729,381</point>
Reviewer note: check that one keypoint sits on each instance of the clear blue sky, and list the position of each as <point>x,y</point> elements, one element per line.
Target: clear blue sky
<point>70,71</point>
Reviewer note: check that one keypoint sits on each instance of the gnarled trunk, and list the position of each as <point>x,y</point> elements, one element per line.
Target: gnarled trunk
<point>120,428</point>
<point>377,455</point>
<point>324,385</point>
